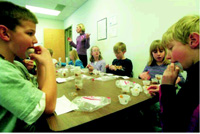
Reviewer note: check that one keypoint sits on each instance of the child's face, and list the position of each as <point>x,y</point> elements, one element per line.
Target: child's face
<point>158,55</point>
<point>119,54</point>
<point>181,53</point>
<point>95,52</point>
<point>22,38</point>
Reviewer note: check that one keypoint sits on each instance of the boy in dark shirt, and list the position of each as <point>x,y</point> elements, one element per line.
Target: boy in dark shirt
<point>180,112</point>
<point>120,66</point>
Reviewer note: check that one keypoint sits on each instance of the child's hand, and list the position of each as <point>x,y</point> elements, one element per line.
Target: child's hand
<point>69,39</point>
<point>29,64</point>
<point>112,67</point>
<point>153,89</point>
<point>88,66</point>
<point>170,74</point>
<point>107,66</point>
<point>145,76</point>
<point>91,68</point>
<point>41,56</point>
<point>178,80</point>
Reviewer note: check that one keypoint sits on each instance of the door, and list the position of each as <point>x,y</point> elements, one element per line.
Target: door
<point>68,48</point>
<point>54,39</point>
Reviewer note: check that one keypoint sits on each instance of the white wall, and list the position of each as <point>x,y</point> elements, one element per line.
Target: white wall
<point>46,23</point>
<point>139,22</point>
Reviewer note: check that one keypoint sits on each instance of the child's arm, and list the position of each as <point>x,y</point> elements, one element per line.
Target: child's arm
<point>79,63</point>
<point>46,77</point>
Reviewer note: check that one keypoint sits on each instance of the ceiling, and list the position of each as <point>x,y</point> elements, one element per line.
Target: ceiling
<point>70,6</point>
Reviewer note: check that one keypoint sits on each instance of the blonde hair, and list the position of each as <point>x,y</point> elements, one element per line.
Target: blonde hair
<point>74,54</point>
<point>181,30</point>
<point>82,27</point>
<point>91,56</point>
<point>156,44</point>
<point>119,46</point>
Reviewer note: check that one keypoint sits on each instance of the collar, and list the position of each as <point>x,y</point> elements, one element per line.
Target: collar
<point>82,33</point>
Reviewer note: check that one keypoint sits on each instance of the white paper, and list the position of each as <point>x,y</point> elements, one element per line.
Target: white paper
<point>125,77</point>
<point>64,105</point>
<point>60,80</point>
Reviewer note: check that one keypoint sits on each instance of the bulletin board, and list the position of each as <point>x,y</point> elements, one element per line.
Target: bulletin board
<point>102,29</point>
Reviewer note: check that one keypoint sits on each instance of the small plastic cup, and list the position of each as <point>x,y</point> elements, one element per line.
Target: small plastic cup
<point>145,89</point>
<point>154,81</point>
<point>158,76</point>
<point>135,91</point>
<point>124,99</point>
<point>146,82</point>
<point>125,88</point>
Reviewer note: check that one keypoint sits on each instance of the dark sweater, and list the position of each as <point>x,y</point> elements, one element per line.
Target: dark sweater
<point>125,67</point>
<point>180,113</point>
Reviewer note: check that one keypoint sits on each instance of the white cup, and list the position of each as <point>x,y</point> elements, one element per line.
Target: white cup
<point>146,82</point>
<point>124,99</point>
<point>125,88</point>
<point>135,91</point>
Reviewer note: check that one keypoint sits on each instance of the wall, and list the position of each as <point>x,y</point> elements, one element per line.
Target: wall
<point>46,23</point>
<point>139,22</point>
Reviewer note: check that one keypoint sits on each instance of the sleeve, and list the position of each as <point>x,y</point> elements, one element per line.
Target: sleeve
<point>17,94</point>
<point>37,112</point>
<point>167,98</point>
<point>146,68</point>
<point>70,63</point>
<point>72,44</point>
<point>111,71</point>
<point>87,43</point>
<point>103,66</point>
<point>127,69</point>
<point>79,63</point>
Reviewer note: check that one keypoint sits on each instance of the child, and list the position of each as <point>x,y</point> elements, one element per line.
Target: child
<point>157,62</point>
<point>21,97</point>
<point>54,60</point>
<point>82,43</point>
<point>120,66</point>
<point>180,112</point>
<point>73,55</point>
<point>96,59</point>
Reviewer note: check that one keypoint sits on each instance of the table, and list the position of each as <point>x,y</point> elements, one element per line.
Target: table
<point>91,88</point>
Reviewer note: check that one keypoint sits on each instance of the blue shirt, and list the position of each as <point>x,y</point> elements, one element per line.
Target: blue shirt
<point>77,63</point>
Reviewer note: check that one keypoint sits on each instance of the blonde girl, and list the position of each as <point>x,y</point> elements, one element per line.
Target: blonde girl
<point>73,55</point>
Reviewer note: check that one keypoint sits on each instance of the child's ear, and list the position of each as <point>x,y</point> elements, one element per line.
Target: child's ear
<point>4,35</point>
<point>194,40</point>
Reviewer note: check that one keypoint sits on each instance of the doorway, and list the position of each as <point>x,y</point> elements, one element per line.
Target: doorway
<point>68,48</point>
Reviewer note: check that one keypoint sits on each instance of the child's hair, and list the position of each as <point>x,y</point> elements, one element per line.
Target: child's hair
<point>156,44</point>
<point>92,58</point>
<point>119,46</point>
<point>82,27</point>
<point>11,15</point>
<point>50,51</point>
<point>181,30</point>
<point>74,54</point>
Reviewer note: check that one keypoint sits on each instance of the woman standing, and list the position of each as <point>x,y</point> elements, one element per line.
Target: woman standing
<point>82,43</point>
